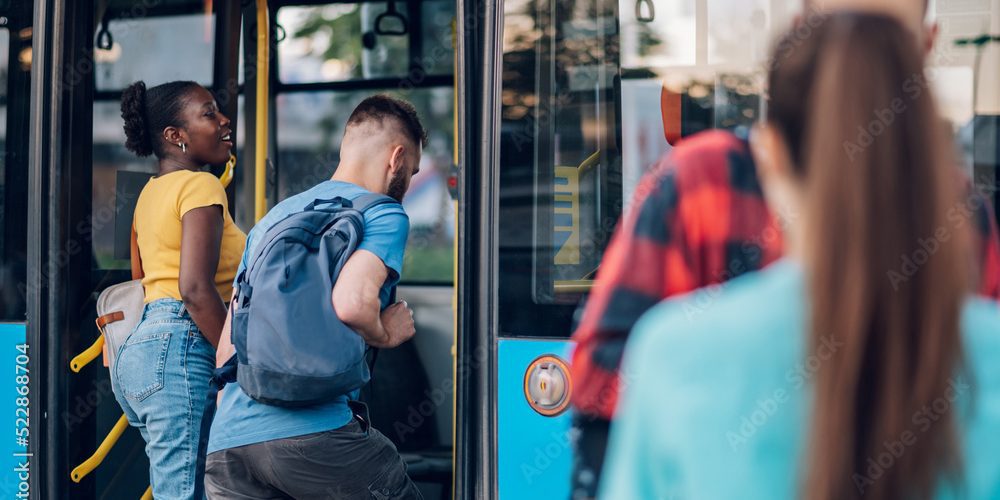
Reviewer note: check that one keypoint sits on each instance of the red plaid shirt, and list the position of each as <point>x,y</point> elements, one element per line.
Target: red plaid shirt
<point>698,218</point>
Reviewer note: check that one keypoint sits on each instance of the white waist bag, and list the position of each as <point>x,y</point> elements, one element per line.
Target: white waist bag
<point>119,310</point>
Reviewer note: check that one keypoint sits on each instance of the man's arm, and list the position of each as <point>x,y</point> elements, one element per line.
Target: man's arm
<point>356,302</point>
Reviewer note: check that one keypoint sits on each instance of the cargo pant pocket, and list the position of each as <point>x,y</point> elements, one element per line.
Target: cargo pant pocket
<point>393,484</point>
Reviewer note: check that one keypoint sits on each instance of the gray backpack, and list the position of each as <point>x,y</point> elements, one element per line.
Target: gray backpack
<point>291,348</point>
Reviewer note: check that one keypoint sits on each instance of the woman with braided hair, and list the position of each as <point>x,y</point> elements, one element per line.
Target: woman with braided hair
<point>189,250</point>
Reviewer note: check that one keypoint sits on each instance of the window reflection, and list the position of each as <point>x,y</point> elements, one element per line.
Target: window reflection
<point>560,160</point>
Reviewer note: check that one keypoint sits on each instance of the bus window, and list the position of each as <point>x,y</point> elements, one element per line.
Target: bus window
<point>155,49</point>
<point>371,41</point>
<point>593,94</point>
<point>695,65</point>
<point>326,50</point>
<point>15,74</point>
<point>560,160</point>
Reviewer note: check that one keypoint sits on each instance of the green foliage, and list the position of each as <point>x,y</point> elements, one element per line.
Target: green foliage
<point>342,30</point>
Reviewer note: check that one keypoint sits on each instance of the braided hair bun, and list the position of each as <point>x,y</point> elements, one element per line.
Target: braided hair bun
<point>137,138</point>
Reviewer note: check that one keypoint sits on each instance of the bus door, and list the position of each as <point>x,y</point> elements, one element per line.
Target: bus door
<point>590,95</point>
<point>559,194</point>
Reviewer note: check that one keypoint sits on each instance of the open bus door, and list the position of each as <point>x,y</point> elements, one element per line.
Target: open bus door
<point>81,190</point>
<point>548,198</point>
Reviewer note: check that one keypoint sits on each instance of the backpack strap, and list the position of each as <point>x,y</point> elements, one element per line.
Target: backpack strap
<point>368,201</point>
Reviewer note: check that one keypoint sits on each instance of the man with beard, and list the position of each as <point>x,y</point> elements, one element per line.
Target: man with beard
<point>329,450</point>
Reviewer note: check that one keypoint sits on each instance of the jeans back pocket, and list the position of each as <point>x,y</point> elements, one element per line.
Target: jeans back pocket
<point>141,363</point>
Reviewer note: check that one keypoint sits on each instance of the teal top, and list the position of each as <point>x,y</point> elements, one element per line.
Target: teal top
<point>242,421</point>
<point>717,396</point>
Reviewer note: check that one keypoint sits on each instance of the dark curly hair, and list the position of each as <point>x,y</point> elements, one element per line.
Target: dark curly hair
<point>148,112</point>
<point>380,106</point>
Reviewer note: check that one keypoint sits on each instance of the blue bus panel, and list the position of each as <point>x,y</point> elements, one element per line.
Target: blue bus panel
<point>534,452</point>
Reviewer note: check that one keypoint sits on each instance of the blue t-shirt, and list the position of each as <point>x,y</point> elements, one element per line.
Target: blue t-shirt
<point>717,396</point>
<point>240,420</point>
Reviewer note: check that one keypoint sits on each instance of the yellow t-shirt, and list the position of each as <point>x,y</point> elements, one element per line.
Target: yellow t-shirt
<point>158,213</point>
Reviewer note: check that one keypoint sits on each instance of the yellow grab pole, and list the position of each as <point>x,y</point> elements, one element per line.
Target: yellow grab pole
<point>454,255</point>
<point>91,463</point>
<point>85,357</point>
<point>261,120</point>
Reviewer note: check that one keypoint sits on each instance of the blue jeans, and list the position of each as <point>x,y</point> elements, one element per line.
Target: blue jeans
<point>161,379</point>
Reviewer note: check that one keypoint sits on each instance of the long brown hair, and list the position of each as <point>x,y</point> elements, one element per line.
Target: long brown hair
<point>883,264</point>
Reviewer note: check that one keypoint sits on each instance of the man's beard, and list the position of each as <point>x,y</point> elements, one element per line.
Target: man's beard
<point>397,186</point>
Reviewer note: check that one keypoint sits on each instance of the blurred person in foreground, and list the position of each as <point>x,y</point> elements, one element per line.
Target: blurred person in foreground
<point>698,218</point>
<point>823,376</point>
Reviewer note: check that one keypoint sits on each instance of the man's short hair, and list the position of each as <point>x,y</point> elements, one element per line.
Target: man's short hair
<point>380,107</point>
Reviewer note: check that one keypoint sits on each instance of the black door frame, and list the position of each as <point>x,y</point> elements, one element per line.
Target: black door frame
<point>480,26</point>
<point>59,252</point>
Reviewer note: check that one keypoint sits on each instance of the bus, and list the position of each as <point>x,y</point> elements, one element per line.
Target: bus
<point>542,117</point>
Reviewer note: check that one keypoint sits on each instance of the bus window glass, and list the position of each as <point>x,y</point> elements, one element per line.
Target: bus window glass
<point>118,177</point>
<point>309,130</point>
<point>4,51</point>
<point>436,37</point>
<point>15,86</point>
<point>338,42</point>
<point>560,160</point>
<point>156,50</point>
<point>666,39</point>
<point>964,74</point>
<point>593,94</point>
<point>13,235</point>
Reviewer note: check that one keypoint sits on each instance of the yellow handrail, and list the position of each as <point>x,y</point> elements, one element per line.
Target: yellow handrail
<point>148,495</point>
<point>260,122</point>
<point>85,357</point>
<point>91,463</point>
<point>454,252</point>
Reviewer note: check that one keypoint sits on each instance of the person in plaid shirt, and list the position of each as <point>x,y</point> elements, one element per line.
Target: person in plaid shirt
<point>698,219</point>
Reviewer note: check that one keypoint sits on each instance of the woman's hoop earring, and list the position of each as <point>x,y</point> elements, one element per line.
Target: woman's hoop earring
<point>184,148</point>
